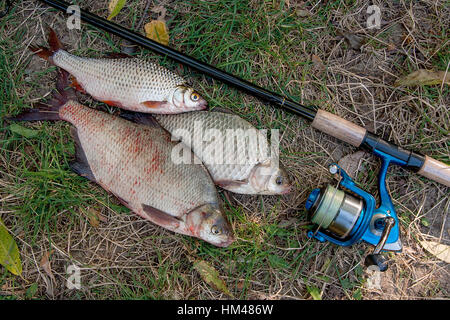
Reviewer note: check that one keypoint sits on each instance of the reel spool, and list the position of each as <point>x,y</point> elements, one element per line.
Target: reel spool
<point>347,214</point>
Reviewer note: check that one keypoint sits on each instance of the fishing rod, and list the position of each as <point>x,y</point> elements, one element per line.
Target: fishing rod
<point>321,119</point>
<point>345,214</point>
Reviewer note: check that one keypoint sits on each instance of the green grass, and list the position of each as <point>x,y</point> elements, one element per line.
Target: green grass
<point>267,44</point>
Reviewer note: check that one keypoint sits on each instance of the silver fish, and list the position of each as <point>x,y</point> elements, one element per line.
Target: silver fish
<point>236,170</point>
<point>133,162</point>
<point>127,83</point>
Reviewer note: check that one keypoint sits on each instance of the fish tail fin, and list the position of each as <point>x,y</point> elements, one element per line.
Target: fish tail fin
<point>47,53</point>
<point>50,110</point>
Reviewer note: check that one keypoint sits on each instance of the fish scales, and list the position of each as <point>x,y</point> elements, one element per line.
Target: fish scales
<point>126,82</point>
<point>120,79</point>
<point>134,163</point>
<point>237,155</point>
<point>236,163</point>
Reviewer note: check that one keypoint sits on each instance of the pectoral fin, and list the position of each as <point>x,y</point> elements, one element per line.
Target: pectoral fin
<point>75,84</point>
<point>230,183</point>
<point>113,103</point>
<point>80,165</point>
<point>160,217</point>
<point>153,104</point>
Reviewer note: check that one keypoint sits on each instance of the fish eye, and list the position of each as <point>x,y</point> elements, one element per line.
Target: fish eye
<point>215,230</point>
<point>279,180</point>
<point>195,96</point>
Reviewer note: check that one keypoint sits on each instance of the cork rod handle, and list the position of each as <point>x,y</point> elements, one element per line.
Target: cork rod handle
<point>353,134</point>
<point>436,170</point>
<point>340,128</point>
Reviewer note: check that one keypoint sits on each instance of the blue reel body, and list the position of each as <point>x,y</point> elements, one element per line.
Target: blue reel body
<point>370,223</point>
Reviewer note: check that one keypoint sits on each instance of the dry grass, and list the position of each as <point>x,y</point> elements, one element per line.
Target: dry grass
<point>125,257</point>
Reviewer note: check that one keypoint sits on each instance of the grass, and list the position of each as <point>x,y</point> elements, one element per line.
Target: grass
<point>45,205</point>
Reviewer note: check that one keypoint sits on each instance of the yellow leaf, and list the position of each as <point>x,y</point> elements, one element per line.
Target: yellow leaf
<point>439,250</point>
<point>423,77</point>
<point>314,292</point>
<point>157,31</point>
<point>114,7</point>
<point>211,276</point>
<point>9,252</point>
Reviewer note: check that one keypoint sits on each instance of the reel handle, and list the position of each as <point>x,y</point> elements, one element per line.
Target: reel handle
<point>375,258</point>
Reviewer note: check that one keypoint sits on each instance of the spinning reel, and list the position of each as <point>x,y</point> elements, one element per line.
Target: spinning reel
<point>345,217</point>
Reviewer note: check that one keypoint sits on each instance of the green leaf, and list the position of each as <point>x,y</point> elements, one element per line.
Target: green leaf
<point>27,133</point>
<point>9,252</point>
<point>278,262</point>
<point>211,276</point>
<point>425,222</point>
<point>357,295</point>
<point>114,7</point>
<point>31,291</point>
<point>314,292</point>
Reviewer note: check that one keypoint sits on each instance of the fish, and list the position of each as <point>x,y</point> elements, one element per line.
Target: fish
<point>123,81</point>
<point>236,171</point>
<point>133,162</point>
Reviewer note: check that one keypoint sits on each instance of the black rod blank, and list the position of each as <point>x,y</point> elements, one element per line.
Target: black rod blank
<point>111,27</point>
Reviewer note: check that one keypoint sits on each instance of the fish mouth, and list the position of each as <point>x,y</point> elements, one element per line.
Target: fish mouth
<point>287,190</point>
<point>202,105</point>
<point>225,243</point>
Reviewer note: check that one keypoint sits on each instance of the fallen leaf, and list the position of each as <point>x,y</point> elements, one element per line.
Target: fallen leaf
<point>423,77</point>
<point>314,292</point>
<point>353,40</point>
<point>156,30</point>
<point>350,163</point>
<point>408,39</point>
<point>287,223</point>
<point>45,264</point>
<point>114,7</point>
<point>302,13</point>
<point>391,47</point>
<point>211,276</point>
<point>50,280</point>
<point>9,252</point>
<point>318,63</point>
<point>241,285</point>
<point>439,250</point>
<point>95,217</point>
<point>32,290</point>
<point>25,132</point>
